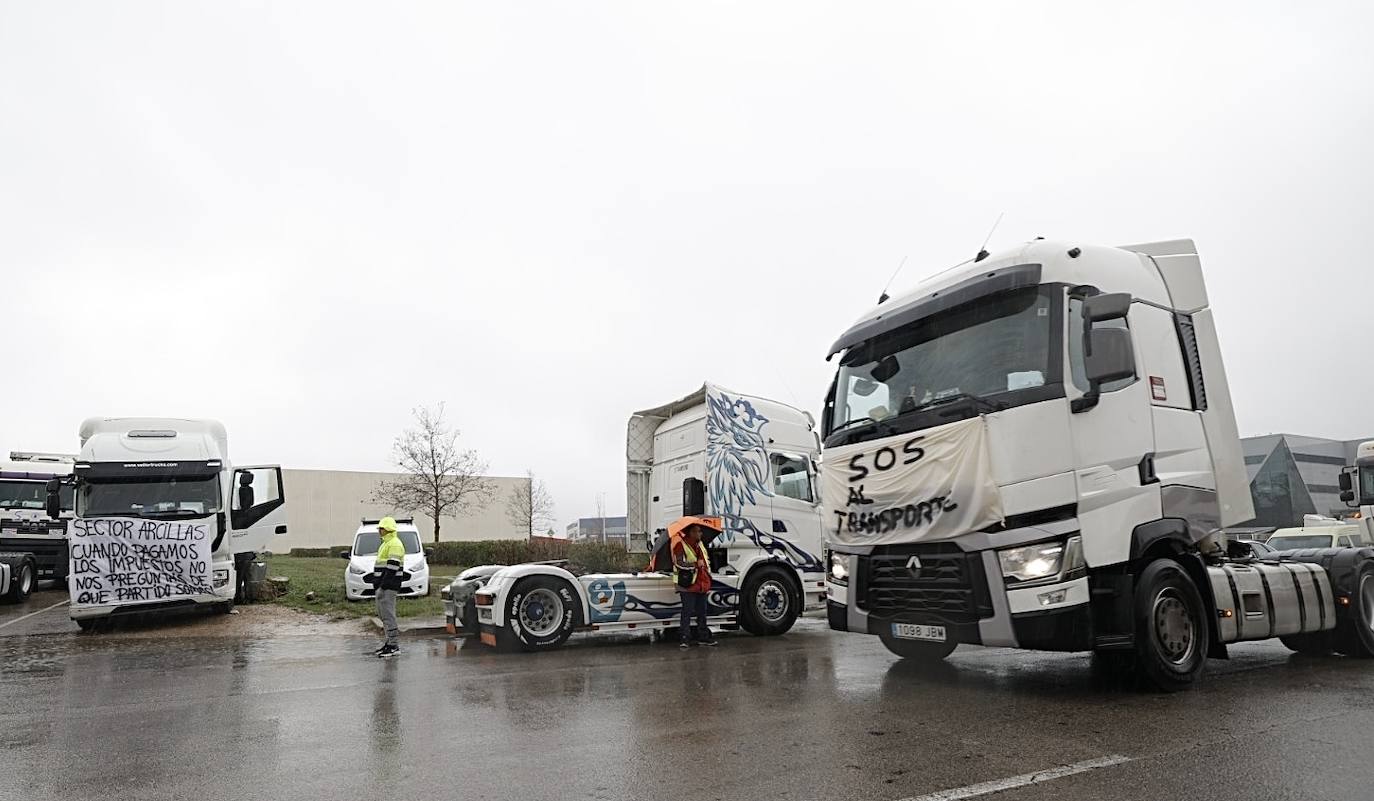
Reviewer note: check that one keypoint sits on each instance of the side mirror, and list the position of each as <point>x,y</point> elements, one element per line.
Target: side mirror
<point>429,552</point>
<point>1344,480</point>
<point>1109,357</point>
<point>245,490</point>
<point>54,498</point>
<point>1348,497</point>
<point>345,555</point>
<point>1100,308</point>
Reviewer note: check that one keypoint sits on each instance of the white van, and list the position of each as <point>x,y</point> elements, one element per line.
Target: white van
<point>362,558</point>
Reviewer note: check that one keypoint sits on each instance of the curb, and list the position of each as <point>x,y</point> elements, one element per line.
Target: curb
<point>423,626</point>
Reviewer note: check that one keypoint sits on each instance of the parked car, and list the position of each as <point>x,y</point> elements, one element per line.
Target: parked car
<point>1328,536</point>
<point>362,558</point>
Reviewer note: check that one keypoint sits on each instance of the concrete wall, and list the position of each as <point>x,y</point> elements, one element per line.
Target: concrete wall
<point>325,506</point>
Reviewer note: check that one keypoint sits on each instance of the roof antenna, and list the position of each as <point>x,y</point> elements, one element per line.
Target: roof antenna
<point>883,296</point>
<point>983,251</point>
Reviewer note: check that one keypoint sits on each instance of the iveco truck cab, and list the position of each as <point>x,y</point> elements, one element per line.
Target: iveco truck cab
<point>1037,449</point>
<point>163,520</point>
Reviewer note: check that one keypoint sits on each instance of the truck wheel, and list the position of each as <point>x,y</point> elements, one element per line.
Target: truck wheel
<point>1355,635</point>
<point>1314,644</point>
<point>917,651</point>
<point>541,613</point>
<point>21,586</point>
<point>769,603</point>
<point>1172,634</point>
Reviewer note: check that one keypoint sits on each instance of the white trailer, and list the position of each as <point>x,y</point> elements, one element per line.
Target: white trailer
<point>25,526</point>
<point>143,472</point>
<point>1038,450</point>
<point>756,460</point>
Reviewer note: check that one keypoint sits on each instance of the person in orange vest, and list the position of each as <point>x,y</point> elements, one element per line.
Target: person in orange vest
<point>692,572</point>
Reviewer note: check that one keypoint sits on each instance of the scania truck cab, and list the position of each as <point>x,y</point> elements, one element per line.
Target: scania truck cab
<point>163,520</point>
<point>1037,449</point>
<point>25,526</point>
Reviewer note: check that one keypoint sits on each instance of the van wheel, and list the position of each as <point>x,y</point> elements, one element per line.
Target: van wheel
<point>21,587</point>
<point>917,651</point>
<point>541,613</point>
<point>769,603</point>
<point>1171,646</point>
<point>1355,635</point>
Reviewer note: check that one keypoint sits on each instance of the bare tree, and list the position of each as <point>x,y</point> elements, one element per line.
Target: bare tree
<point>438,477</point>
<point>530,506</point>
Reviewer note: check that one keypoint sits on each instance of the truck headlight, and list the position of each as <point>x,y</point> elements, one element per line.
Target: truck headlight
<point>1043,561</point>
<point>839,568</point>
<point>357,571</point>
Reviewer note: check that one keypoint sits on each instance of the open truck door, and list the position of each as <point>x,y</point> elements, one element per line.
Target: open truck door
<point>257,509</point>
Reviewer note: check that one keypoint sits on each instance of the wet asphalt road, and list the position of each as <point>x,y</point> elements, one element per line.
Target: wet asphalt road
<point>810,715</point>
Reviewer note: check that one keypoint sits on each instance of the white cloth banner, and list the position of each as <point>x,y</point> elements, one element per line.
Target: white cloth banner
<point>926,485</point>
<point>130,560</point>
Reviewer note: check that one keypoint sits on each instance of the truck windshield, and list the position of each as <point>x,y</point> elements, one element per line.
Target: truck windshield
<point>150,496</point>
<point>1367,485</point>
<point>369,541</point>
<point>31,495</point>
<point>992,354</point>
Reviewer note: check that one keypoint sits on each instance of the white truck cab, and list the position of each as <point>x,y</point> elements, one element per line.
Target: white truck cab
<point>25,526</point>
<point>143,473</point>
<point>1037,449</point>
<point>752,464</point>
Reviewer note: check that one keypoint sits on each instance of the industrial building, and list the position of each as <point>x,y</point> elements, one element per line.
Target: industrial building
<point>1291,476</point>
<point>598,529</point>
<point>325,506</point>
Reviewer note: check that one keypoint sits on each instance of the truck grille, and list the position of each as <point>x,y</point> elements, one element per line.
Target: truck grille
<point>950,585</point>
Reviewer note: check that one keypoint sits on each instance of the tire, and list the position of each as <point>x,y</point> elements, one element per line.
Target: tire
<point>226,608</point>
<point>917,651</point>
<point>1315,644</point>
<point>1354,636</point>
<point>87,624</point>
<point>769,602</point>
<point>541,613</point>
<point>1171,629</point>
<point>96,624</point>
<point>21,585</point>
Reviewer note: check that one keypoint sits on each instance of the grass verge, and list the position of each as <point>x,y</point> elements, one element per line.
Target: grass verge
<point>325,578</point>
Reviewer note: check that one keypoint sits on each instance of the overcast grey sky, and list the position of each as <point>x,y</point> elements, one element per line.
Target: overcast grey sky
<point>306,218</point>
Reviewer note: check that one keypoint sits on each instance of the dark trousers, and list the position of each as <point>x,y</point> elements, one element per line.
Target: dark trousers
<point>693,603</point>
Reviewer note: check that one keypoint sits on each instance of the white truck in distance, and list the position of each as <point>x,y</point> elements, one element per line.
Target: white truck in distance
<point>1038,450</point>
<point>165,470</point>
<point>1357,487</point>
<point>25,526</point>
<point>756,458</point>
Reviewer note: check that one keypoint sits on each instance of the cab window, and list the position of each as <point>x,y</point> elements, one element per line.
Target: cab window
<point>791,478</point>
<point>1078,327</point>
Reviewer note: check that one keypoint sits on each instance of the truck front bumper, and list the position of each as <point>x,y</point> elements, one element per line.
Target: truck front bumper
<point>976,608</point>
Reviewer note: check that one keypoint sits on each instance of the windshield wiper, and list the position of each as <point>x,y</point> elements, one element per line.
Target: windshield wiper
<point>978,403</point>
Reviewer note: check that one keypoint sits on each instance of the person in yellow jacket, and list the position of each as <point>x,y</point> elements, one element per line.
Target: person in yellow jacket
<point>387,576</point>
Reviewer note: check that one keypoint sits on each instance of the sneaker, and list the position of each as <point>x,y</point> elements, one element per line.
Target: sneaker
<point>379,650</point>
<point>388,651</point>
<point>684,645</point>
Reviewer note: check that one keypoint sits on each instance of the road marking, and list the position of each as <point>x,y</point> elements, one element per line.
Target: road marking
<point>31,614</point>
<point>1024,780</point>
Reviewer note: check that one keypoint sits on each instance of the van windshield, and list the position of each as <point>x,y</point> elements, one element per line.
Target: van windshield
<point>1285,543</point>
<point>995,353</point>
<point>368,542</point>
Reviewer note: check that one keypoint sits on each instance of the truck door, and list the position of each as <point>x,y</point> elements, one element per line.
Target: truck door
<point>796,512</point>
<point>1113,440</point>
<point>257,510</point>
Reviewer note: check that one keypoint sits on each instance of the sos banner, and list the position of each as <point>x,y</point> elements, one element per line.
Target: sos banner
<point>123,560</point>
<point>928,485</point>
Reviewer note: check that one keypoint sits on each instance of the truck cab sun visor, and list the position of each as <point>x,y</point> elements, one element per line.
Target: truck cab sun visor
<point>993,282</point>
<point>180,468</point>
